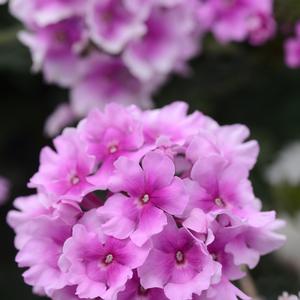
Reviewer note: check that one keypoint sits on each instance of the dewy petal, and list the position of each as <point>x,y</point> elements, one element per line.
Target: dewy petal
<point>152,221</point>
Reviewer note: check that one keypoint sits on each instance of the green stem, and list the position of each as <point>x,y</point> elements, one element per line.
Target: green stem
<point>9,35</point>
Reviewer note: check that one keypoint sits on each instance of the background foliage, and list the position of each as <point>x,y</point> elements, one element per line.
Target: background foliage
<point>233,83</point>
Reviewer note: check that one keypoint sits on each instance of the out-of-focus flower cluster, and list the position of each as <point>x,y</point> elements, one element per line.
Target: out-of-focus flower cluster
<point>109,50</point>
<point>123,50</point>
<point>154,204</point>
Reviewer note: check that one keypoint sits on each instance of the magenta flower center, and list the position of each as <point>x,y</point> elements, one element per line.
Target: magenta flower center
<point>179,257</point>
<point>108,259</point>
<point>145,199</point>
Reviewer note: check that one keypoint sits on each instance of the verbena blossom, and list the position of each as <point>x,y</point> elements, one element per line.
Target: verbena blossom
<point>138,204</point>
<point>292,49</point>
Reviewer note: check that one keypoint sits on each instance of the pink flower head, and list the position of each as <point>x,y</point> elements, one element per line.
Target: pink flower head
<point>178,264</point>
<point>98,264</point>
<point>292,49</point>
<point>135,204</point>
<point>151,191</point>
<point>64,173</point>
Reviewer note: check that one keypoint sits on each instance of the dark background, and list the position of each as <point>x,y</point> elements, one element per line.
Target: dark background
<point>233,84</point>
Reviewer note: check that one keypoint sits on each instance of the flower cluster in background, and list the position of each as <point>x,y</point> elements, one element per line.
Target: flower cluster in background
<point>135,204</point>
<point>109,50</point>
<point>122,50</point>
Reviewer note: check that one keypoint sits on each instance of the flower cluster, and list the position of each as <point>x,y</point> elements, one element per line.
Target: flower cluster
<point>154,204</point>
<point>109,50</point>
<point>238,20</point>
<point>292,49</point>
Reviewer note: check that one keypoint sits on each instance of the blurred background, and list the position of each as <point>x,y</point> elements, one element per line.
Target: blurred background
<point>233,84</point>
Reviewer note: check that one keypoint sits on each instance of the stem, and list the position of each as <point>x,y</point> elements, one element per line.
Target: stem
<point>248,286</point>
<point>9,35</point>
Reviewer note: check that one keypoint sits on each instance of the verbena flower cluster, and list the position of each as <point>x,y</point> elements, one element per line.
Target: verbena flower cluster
<point>138,204</point>
<point>120,50</point>
<point>123,50</point>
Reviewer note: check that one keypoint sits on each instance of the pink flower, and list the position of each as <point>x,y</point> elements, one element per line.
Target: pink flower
<point>98,264</point>
<point>217,185</point>
<point>54,49</point>
<point>112,25</point>
<point>151,190</point>
<point>178,264</point>
<point>64,173</point>
<point>292,49</point>
<point>41,236</point>
<point>158,51</point>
